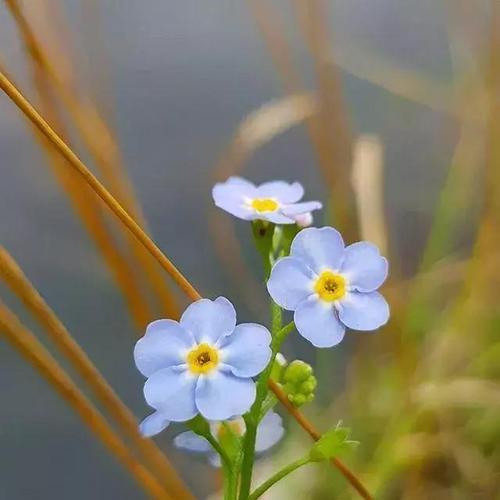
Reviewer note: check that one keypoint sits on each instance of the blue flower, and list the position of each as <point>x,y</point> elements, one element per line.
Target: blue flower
<point>269,432</point>
<point>202,364</point>
<point>329,286</point>
<point>274,201</point>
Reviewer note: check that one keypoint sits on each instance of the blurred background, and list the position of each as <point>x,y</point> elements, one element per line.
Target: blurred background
<point>384,110</point>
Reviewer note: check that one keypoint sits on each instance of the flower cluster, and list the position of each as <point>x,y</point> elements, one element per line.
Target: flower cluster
<point>202,368</point>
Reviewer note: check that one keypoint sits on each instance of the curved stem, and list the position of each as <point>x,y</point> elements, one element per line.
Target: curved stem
<point>315,435</point>
<point>220,450</point>
<point>278,476</point>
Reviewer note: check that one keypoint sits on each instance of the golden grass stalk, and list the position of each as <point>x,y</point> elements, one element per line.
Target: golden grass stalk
<point>271,30</point>
<point>359,62</point>
<point>100,142</point>
<point>368,184</point>
<point>41,124</point>
<point>73,160</point>
<point>29,347</point>
<point>86,206</point>
<point>20,285</point>
<point>315,435</point>
<point>331,129</point>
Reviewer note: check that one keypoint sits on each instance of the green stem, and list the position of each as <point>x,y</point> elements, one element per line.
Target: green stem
<point>278,476</point>
<point>276,318</point>
<point>220,450</point>
<point>230,483</point>
<point>253,416</point>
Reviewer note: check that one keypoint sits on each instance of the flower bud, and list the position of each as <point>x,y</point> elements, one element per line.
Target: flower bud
<point>304,220</point>
<point>299,382</point>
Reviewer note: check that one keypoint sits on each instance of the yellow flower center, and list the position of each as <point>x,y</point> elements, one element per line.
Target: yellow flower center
<point>202,359</point>
<point>330,286</point>
<point>264,205</point>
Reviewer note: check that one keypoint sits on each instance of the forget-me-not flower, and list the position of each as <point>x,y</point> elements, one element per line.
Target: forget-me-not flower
<point>274,201</point>
<point>202,364</point>
<point>329,286</point>
<point>269,431</point>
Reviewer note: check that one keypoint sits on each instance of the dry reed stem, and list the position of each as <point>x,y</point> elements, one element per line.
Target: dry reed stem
<point>34,302</point>
<point>10,89</point>
<point>368,184</point>
<point>73,160</point>
<point>102,145</point>
<point>267,21</point>
<point>315,435</point>
<point>29,347</point>
<point>361,63</point>
<point>86,207</point>
<point>331,129</point>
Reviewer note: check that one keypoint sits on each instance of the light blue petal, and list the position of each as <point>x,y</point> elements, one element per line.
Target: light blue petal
<point>222,395</point>
<point>364,267</point>
<point>363,311</point>
<point>301,208</point>
<point>281,190</point>
<point>172,393</point>
<point>275,217</point>
<point>232,197</point>
<point>269,432</point>
<point>290,283</point>
<point>192,442</point>
<point>319,248</point>
<point>246,351</point>
<point>235,180</point>
<point>164,344</point>
<point>153,424</point>
<point>214,460</point>
<point>209,320</point>
<point>318,323</point>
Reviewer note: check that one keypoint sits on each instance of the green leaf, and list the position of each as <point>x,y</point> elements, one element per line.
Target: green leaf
<point>332,443</point>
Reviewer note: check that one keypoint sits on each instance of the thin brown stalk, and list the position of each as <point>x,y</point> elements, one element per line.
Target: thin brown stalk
<point>315,435</point>
<point>20,285</point>
<point>268,23</point>
<point>112,203</point>
<point>86,207</point>
<point>332,132</point>
<point>41,124</point>
<point>359,62</point>
<point>100,142</point>
<point>30,348</point>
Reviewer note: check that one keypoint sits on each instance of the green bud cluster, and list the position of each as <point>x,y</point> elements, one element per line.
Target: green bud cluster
<point>299,382</point>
